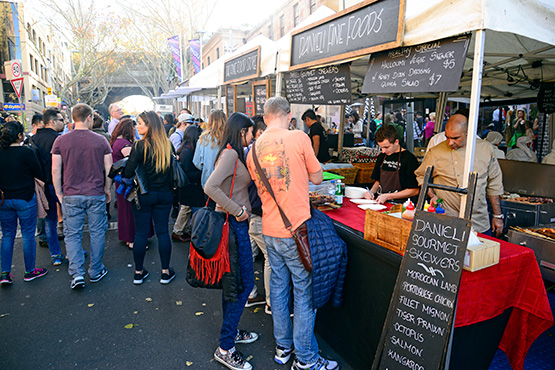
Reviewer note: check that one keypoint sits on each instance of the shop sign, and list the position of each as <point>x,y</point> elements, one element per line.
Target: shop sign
<point>13,106</point>
<point>430,67</point>
<point>243,67</point>
<point>422,310</point>
<point>51,100</point>
<point>370,26</point>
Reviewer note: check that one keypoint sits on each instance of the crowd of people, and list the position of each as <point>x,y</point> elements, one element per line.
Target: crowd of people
<point>63,176</point>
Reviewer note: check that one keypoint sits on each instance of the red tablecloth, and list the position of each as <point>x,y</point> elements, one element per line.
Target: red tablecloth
<point>515,282</point>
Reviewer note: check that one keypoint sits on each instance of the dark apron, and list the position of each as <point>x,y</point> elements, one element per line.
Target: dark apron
<point>389,180</point>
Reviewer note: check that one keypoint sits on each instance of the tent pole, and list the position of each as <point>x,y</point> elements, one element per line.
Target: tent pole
<point>480,39</point>
<point>279,83</point>
<point>341,132</point>
<point>219,103</point>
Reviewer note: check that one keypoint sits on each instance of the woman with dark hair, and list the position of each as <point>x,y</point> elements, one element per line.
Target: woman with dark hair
<point>237,135</point>
<point>153,153</point>
<point>191,196</point>
<point>121,142</point>
<point>356,124</point>
<point>169,123</point>
<point>19,166</point>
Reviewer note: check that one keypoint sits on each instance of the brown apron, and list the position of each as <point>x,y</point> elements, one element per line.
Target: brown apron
<point>389,180</point>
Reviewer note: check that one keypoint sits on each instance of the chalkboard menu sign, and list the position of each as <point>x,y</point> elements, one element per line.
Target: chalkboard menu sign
<point>431,67</point>
<point>359,30</point>
<point>546,97</point>
<point>329,85</point>
<point>243,67</point>
<point>421,313</point>
<point>230,99</point>
<point>260,93</point>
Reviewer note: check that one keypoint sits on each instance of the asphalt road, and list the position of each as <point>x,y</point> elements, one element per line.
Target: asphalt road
<point>114,324</point>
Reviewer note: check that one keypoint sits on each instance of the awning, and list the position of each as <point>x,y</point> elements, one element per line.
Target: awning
<point>179,92</point>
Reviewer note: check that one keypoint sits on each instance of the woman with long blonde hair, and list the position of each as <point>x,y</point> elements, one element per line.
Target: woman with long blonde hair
<point>153,154</point>
<point>209,144</point>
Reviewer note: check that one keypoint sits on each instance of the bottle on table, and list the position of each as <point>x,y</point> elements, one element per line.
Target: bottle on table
<point>331,189</point>
<point>339,193</point>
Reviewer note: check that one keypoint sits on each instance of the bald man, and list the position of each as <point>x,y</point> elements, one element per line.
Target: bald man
<point>448,160</point>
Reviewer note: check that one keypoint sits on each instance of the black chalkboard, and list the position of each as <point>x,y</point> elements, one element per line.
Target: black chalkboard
<point>546,97</point>
<point>229,99</point>
<point>431,67</point>
<point>359,30</point>
<point>242,67</point>
<point>421,313</point>
<point>329,85</point>
<point>260,97</point>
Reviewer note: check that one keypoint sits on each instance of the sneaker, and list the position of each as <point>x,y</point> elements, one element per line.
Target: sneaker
<point>78,282</point>
<point>282,355</point>
<point>268,309</point>
<point>185,238</point>
<point>36,273</point>
<point>139,278</point>
<point>233,359</point>
<point>43,244</point>
<point>6,278</point>
<point>57,259</point>
<point>166,278</point>
<point>255,301</point>
<point>100,275</point>
<point>244,336</point>
<point>321,364</point>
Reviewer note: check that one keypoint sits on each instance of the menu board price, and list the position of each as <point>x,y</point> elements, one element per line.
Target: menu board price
<point>327,85</point>
<point>421,313</point>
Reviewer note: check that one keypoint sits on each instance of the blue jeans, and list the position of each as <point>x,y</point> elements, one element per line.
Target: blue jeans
<point>232,311</point>
<point>51,222</point>
<point>286,266</point>
<point>41,233</point>
<point>156,205</point>
<point>75,208</point>
<point>26,212</point>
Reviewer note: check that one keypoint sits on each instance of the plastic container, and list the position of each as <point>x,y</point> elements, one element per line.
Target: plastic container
<point>408,214</point>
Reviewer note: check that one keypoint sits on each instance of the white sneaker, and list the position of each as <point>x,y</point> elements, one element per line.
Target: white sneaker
<point>321,364</point>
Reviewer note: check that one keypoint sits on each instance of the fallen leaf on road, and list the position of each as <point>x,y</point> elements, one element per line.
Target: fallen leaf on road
<point>148,299</point>
<point>128,326</point>
<point>90,304</point>
<point>4,314</point>
<point>188,363</point>
<point>135,312</point>
<point>249,358</point>
<point>204,304</point>
<point>179,303</point>
<point>257,309</point>
<point>257,279</point>
<point>199,313</point>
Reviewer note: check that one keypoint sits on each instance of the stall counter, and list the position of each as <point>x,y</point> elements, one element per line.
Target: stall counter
<point>484,295</point>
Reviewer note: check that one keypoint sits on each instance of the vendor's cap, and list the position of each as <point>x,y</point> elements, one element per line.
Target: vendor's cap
<point>185,117</point>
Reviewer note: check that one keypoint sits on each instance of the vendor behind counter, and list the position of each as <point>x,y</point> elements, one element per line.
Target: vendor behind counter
<point>394,175</point>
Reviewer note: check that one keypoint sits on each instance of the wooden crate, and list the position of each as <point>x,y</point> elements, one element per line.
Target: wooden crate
<point>365,172</point>
<point>349,174</point>
<point>479,257</point>
<point>388,231</point>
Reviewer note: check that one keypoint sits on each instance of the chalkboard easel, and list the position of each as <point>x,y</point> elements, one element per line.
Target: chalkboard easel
<point>418,329</point>
<point>230,99</point>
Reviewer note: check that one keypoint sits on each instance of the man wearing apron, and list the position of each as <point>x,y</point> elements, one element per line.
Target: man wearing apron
<point>394,170</point>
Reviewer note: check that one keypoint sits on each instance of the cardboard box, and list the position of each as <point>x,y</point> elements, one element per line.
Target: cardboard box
<point>388,231</point>
<point>479,257</point>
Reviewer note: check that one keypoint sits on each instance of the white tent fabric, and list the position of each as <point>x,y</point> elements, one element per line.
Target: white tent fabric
<point>213,75</point>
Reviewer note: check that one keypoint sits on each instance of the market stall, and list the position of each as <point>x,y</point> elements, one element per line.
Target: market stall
<point>488,40</point>
<point>505,305</point>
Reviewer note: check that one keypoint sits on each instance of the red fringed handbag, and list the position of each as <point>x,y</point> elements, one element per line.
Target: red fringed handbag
<point>209,250</point>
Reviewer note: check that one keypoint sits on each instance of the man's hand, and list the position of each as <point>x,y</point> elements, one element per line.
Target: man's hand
<point>108,195</point>
<point>497,226</point>
<point>369,195</point>
<point>383,198</point>
<point>60,197</point>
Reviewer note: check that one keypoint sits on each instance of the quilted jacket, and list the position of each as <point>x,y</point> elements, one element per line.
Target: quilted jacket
<point>329,260</point>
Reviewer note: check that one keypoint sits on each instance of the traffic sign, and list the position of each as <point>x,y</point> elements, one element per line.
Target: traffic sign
<point>13,69</point>
<point>17,84</point>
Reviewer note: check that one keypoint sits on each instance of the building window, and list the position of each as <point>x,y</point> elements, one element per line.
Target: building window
<point>271,30</point>
<point>281,25</point>
<point>37,67</point>
<point>312,6</point>
<point>217,53</point>
<point>296,15</point>
<point>208,62</point>
<point>32,63</point>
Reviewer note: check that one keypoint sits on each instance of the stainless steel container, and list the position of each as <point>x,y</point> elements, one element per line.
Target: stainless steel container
<point>544,250</point>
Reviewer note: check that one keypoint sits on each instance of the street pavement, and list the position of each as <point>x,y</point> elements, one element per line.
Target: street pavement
<point>114,324</point>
